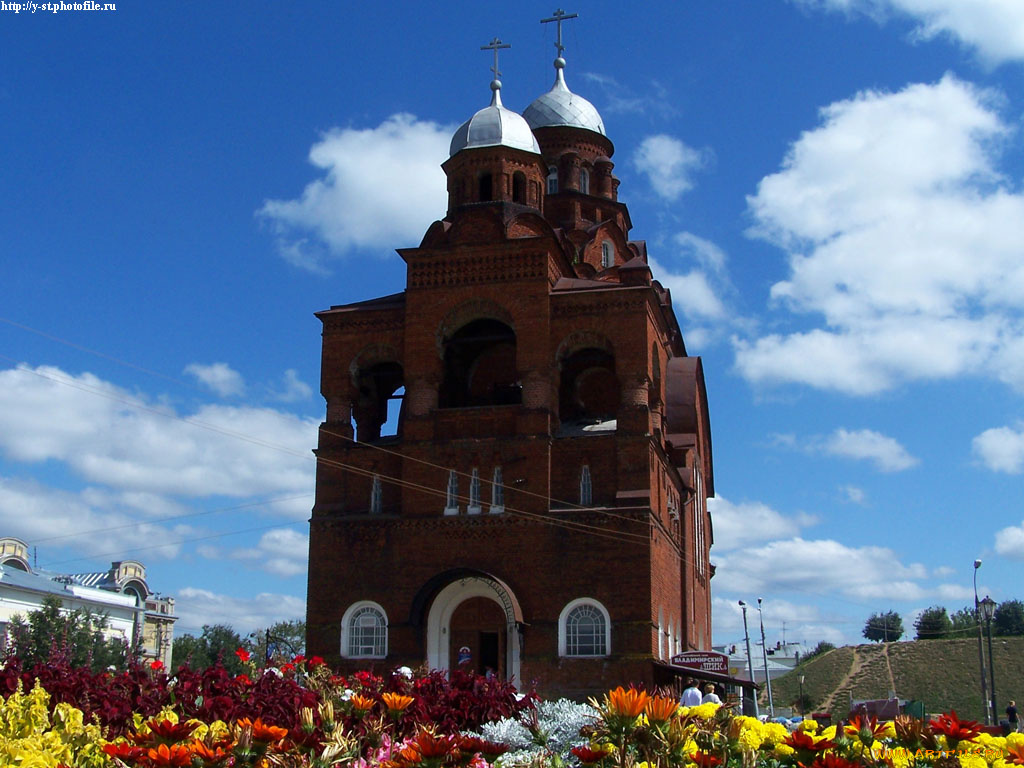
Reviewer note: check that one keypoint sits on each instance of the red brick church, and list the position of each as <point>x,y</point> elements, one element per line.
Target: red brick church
<point>536,503</point>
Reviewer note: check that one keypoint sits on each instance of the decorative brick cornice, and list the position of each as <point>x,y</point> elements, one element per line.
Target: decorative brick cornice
<point>477,269</point>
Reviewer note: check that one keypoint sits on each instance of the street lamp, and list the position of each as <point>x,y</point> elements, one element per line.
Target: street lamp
<point>981,653</point>
<point>764,654</point>
<point>803,709</point>
<point>750,664</point>
<point>988,610</point>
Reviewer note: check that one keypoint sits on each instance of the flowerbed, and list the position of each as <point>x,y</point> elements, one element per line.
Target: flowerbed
<point>302,715</point>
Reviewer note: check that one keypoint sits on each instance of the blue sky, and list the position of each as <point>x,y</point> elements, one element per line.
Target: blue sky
<point>832,189</point>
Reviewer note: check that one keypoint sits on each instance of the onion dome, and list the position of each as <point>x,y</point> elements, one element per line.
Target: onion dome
<point>562,107</point>
<point>494,126</point>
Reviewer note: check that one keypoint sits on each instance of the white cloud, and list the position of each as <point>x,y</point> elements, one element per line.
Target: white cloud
<point>853,494</point>
<point>739,525</point>
<point>1010,542</point>
<point>1001,449</point>
<point>219,377</point>
<point>819,567</point>
<point>885,452</point>
<point>93,521</point>
<point>109,436</point>
<point>668,163</point>
<point>282,552</point>
<point>903,237</point>
<point>293,389</point>
<point>995,28</point>
<point>198,607</point>
<point>381,187</point>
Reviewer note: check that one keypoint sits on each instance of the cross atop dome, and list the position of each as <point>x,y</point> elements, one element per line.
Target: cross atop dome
<point>558,17</point>
<point>495,45</point>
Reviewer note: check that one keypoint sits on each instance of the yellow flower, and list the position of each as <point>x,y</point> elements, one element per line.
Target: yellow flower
<point>704,711</point>
<point>972,760</point>
<point>782,750</point>
<point>750,739</point>
<point>808,726</point>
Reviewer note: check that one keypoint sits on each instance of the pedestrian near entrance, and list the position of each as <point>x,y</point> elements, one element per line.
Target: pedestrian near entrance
<point>691,696</point>
<point>710,697</point>
<point>1012,717</point>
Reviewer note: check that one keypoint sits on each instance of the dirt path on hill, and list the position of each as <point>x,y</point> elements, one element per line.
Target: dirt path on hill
<point>855,664</point>
<point>888,666</point>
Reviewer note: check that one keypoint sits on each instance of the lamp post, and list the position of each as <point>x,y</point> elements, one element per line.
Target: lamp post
<point>764,655</point>
<point>988,610</point>
<point>750,663</point>
<point>803,709</point>
<point>981,653</point>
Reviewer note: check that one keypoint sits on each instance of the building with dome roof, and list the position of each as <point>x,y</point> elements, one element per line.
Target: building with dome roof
<point>515,463</point>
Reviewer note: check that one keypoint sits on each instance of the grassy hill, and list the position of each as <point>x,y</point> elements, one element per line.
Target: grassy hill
<point>941,673</point>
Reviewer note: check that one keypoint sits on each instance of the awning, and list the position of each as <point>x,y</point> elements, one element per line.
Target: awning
<point>661,668</point>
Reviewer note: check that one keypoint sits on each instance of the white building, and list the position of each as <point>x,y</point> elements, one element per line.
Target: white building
<point>133,612</point>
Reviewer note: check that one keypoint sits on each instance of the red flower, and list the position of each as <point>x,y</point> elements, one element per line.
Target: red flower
<point>955,729</point>
<point>316,661</point>
<point>430,746</point>
<point>830,760</point>
<point>587,755</point>
<point>299,659</point>
<point>125,752</point>
<point>865,728</point>
<point>472,745</point>
<point>288,667</point>
<point>156,665</point>
<point>704,760</point>
<point>171,733</point>
<point>243,679</point>
<point>801,740</point>
<point>243,655</point>
<point>176,755</point>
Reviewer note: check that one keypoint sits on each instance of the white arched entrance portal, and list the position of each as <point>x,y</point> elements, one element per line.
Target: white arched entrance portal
<point>443,607</point>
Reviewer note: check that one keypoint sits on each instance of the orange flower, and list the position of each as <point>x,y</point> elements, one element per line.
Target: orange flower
<point>171,733</point>
<point>865,728</point>
<point>124,752</point>
<point>625,703</point>
<point>661,708</point>
<point>267,734</point>
<point>705,760</point>
<point>361,704</point>
<point>210,755</point>
<point>801,740</point>
<point>396,702</point>
<point>1015,754</point>
<point>430,746</point>
<point>175,755</point>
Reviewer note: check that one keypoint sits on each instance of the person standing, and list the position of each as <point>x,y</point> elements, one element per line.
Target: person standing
<point>710,697</point>
<point>1012,717</point>
<point>691,696</point>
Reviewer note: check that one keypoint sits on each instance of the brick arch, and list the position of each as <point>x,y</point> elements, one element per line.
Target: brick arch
<point>370,355</point>
<point>578,340</point>
<point>467,312</point>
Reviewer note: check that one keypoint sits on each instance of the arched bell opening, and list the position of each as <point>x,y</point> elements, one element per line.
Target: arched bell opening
<point>588,388</point>
<point>480,366</point>
<point>378,410</point>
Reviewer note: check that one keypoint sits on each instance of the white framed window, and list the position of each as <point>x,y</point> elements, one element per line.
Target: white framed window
<point>586,487</point>
<point>364,631</point>
<point>584,181</point>
<point>451,496</point>
<point>700,554</point>
<point>607,253</point>
<point>552,180</point>
<point>376,496</point>
<point>497,492</point>
<point>474,493</point>
<point>584,629</point>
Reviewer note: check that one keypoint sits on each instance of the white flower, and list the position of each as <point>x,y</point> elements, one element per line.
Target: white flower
<point>404,672</point>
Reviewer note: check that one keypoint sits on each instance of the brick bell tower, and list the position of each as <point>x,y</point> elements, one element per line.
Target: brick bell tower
<point>524,488</point>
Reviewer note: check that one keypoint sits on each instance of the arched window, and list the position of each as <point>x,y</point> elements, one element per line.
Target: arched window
<point>364,631</point>
<point>474,493</point>
<point>584,629</point>
<point>586,487</point>
<point>607,254</point>
<point>497,492</point>
<point>552,180</point>
<point>584,181</point>
<point>376,496</point>
<point>451,496</point>
<point>480,366</point>
<point>486,188</point>
<point>519,187</point>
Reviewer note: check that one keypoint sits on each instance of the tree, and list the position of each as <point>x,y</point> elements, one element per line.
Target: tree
<point>287,640</point>
<point>79,635</point>
<point>217,642</point>
<point>933,623</point>
<point>963,622</point>
<point>1009,618</point>
<point>886,627</point>
<point>823,647</point>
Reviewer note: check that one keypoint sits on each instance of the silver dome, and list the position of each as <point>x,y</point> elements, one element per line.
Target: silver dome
<point>494,126</point>
<point>560,106</point>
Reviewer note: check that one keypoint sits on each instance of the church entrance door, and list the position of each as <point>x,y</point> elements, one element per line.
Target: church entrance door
<point>477,637</point>
<point>474,623</point>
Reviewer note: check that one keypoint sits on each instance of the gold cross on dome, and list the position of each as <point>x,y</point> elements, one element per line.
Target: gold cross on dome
<point>559,16</point>
<point>495,45</point>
